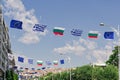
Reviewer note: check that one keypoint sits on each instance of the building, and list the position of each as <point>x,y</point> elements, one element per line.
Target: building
<point>5,47</point>
<point>28,74</point>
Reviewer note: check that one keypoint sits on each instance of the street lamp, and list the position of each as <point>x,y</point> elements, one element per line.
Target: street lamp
<point>69,61</point>
<point>118,33</point>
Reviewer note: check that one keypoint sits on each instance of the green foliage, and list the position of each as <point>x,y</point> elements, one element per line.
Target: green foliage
<point>113,59</point>
<point>83,73</point>
<point>10,75</point>
<point>110,73</point>
<point>97,73</point>
<point>86,72</point>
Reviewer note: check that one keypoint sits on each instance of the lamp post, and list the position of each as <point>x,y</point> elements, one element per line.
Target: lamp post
<point>118,33</point>
<point>69,61</point>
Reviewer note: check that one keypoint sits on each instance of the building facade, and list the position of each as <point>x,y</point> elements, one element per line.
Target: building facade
<point>5,47</point>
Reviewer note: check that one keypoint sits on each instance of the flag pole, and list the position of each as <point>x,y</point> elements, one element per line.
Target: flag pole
<point>118,32</point>
<point>69,61</point>
<point>70,66</point>
<point>118,52</point>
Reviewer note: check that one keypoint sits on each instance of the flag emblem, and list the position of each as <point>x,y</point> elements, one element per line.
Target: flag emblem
<point>48,63</point>
<point>58,31</point>
<point>30,61</point>
<point>109,35</point>
<point>16,24</point>
<point>76,32</point>
<point>62,61</point>
<point>39,63</point>
<point>15,67</point>
<point>20,59</point>
<point>38,27</point>
<point>55,63</point>
<point>93,34</point>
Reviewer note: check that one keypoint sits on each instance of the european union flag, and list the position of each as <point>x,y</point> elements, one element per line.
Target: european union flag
<point>62,61</point>
<point>16,24</point>
<point>30,61</point>
<point>109,35</point>
<point>38,27</point>
<point>20,59</point>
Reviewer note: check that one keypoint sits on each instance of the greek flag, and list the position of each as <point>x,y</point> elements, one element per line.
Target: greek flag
<point>76,32</point>
<point>30,61</point>
<point>38,27</point>
<point>48,63</point>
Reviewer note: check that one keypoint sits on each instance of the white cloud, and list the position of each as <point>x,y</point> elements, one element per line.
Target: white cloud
<point>15,9</point>
<point>74,48</point>
<point>87,48</point>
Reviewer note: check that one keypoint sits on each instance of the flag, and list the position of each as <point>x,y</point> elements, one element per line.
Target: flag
<point>10,56</point>
<point>15,67</point>
<point>33,69</point>
<point>26,68</point>
<point>62,61</point>
<point>20,59</point>
<point>30,61</point>
<point>55,63</point>
<point>48,63</point>
<point>93,34</point>
<point>109,35</point>
<point>58,31</point>
<point>43,68</point>
<point>21,67</point>
<point>38,69</point>
<point>39,63</point>
<point>35,72</point>
<point>16,24</point>
<point>76,32</point>
<point>38,27</point>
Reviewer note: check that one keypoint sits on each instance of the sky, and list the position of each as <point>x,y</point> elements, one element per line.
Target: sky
<point>85,15</point>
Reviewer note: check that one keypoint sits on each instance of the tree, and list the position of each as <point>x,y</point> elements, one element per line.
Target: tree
<point>11,75</point>
<point>110,73</point>
<point>83,73</point>
<point>113,59</point>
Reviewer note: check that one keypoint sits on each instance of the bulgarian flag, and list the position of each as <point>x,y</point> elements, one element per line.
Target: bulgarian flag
<point>58,31</point>
<point>55,63</point>
<point>93,34</point>
<point>39,63</point>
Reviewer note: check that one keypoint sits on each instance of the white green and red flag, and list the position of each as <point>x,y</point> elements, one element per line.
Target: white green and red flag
<point>93,34</point>
<point>39,62</point>
<point>55,63</point>
<point>58,31</point>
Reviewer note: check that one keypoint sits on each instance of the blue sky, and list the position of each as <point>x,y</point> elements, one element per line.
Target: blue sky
<point>79,14</point>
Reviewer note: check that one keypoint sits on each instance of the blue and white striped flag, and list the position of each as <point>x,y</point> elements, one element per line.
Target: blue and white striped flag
<point>48,63</point>
<point>38,27</point>
<point>76,32</point>
<point>30,61</point>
